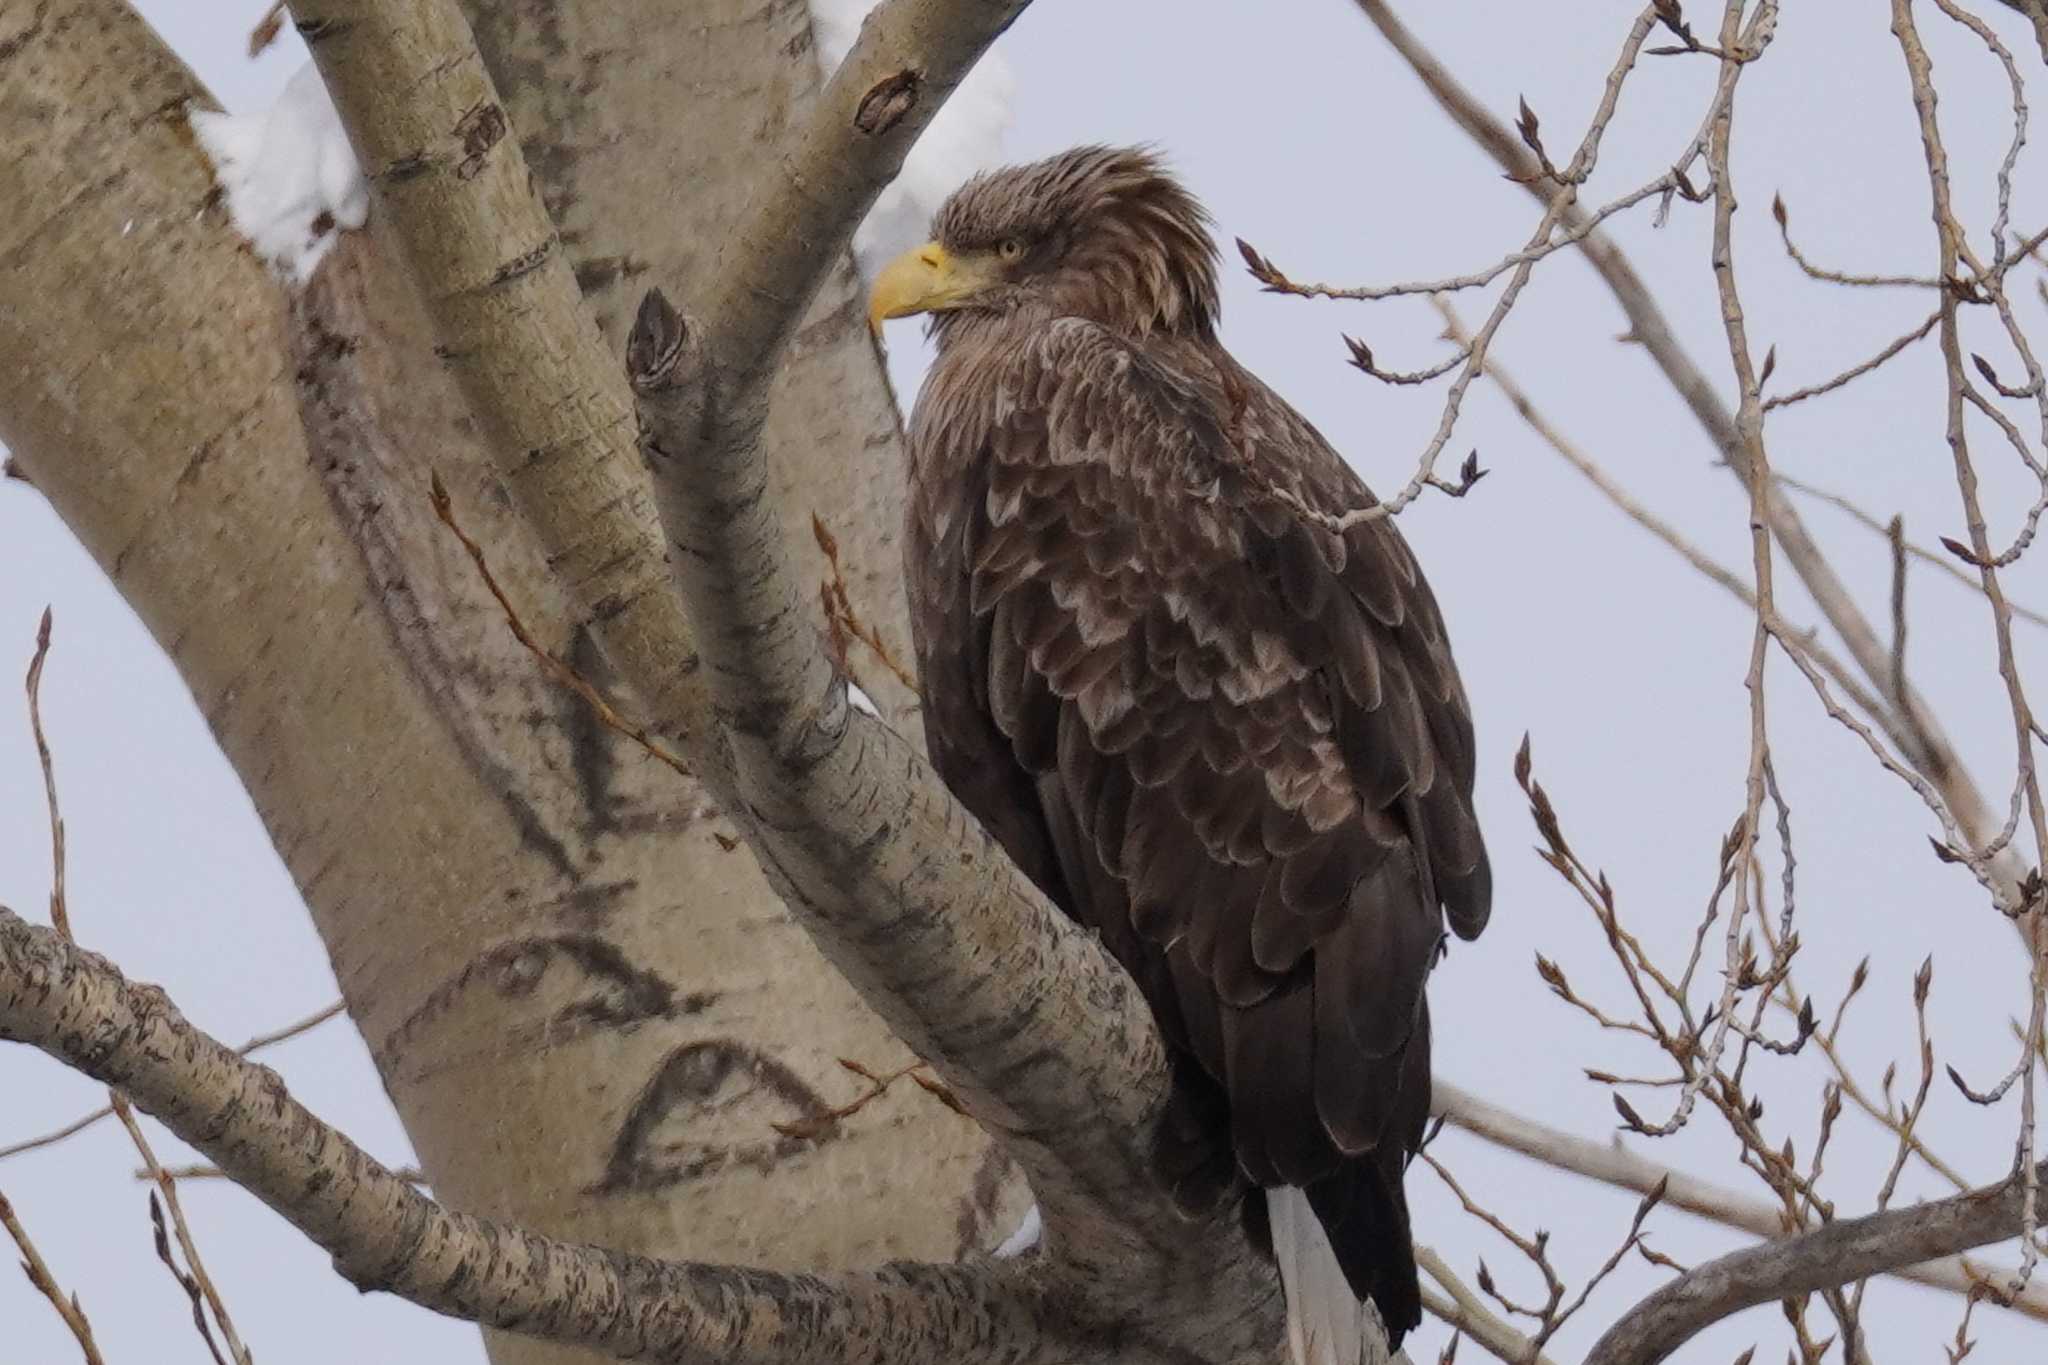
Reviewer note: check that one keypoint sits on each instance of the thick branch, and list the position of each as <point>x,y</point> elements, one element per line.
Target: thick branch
<point>1026,1018</point>
<point>383,1234</point>
<point>433,138</point>
<point>1843,1251</point>
<point>908,59</point>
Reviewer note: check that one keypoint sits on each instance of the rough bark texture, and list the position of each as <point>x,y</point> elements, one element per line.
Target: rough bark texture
<point>535,928</point>
<point>385,1235</point>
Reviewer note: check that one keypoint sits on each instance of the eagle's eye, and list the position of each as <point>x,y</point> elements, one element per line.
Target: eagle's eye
<point>1011,249</point>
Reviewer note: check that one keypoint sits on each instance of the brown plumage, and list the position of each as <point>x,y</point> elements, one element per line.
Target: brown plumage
<point>1227,738</point>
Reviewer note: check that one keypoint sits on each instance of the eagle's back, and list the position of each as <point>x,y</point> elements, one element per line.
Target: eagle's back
<point>1227,738</point>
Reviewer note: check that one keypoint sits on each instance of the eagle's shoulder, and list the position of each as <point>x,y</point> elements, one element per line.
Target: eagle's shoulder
<point>1104,397</point>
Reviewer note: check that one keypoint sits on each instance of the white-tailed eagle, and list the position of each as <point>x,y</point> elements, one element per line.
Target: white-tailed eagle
<point>1209,725</point>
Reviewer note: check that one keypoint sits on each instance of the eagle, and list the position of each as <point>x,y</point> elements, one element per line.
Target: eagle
<point>1211,714</point>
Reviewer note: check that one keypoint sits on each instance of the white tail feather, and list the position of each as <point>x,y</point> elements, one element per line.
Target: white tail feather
<point>1326,1324</point>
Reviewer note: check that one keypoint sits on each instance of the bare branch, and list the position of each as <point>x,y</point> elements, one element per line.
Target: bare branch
<point>38,1271</point>
<point>60,915</point>
<point>448,176</point>
<point>1845,1250</point>
<point>1926,556</point>
<point>1613,1164</point>
<point>1933,754</point>
<point>196,1282</point>
<point>844,620</point>
<point>1783,217</point>
<point>1856,371</point>
<point>960,955</point>
<point>1954,251</point>
<point>254,1045</point>
<point>1467,1313</point>
<point>385,1235</point>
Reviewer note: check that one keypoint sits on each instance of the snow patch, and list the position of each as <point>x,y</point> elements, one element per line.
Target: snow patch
<point>861,701</point>
<point>1025,1237</point>
<point>289,177</point>
<point>967,136</point>
<point>291,180</point>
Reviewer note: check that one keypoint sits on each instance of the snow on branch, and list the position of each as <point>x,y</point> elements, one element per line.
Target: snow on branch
<point>287,174</point>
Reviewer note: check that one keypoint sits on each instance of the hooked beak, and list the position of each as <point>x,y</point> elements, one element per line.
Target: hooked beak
<point>925,279</point>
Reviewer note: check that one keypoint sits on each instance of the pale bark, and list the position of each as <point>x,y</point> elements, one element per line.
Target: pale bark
<point>1026,1015</point>
<point>1839,1253</point>
<point>384,1235</point>
<point>1037,1030</point>
<point>587,1011</point>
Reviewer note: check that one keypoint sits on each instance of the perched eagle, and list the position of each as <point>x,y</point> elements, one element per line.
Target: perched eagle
<point>1210,726</point>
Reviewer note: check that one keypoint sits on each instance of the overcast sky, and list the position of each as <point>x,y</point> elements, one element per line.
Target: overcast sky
<point>1307,136</point>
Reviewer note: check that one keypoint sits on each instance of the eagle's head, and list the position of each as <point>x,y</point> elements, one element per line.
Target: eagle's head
<point>1102,233</point>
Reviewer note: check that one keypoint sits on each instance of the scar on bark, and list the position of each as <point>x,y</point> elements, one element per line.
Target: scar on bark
<point>719,1097</point>
<point>479,131</point>
<point>885,104</point>
<point>606,992</point>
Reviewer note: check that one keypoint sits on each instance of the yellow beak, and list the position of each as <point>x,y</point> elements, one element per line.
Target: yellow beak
<point>924,279</point>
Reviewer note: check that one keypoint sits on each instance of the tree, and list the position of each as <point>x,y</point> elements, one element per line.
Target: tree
<point>372,626</point>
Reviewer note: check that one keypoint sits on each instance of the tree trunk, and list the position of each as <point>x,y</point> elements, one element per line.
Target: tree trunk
<point>588,1012</point>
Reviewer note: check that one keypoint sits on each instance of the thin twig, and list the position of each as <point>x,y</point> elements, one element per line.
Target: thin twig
<point>254,1045</point>
<point>196,1281</point>
<point>843,621</point>
<point>551,663</point>
<point>187,1280</point>
<point>60,915</point>
<point>38,1272</point>
<point>1856,371</point>
<point>60,920</point>
<point>1783,217</point>
<point>1945,564</point>
<point>1559,204</point>
<point>813,1125</point>
<point>1467,1313</point>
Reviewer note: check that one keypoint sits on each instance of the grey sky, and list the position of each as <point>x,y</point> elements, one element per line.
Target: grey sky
<point>1306,136</point>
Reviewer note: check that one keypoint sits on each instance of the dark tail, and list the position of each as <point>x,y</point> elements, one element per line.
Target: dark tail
<point>1365,1216</point>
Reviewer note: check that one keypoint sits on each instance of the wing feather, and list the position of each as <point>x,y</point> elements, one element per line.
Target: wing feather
<point>1241,735</point>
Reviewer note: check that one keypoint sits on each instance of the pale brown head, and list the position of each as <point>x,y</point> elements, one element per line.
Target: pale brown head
<point>1102,233</point>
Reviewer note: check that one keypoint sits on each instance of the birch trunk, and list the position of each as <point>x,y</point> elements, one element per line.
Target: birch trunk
<point>588,1011</point>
